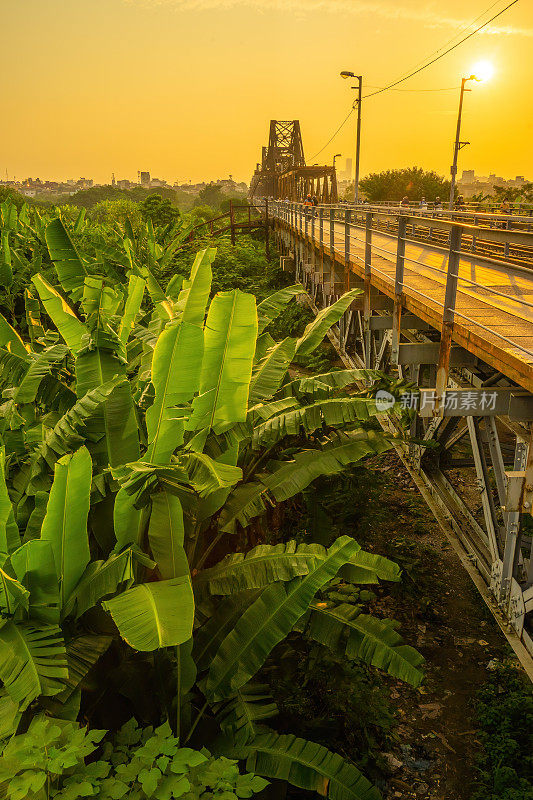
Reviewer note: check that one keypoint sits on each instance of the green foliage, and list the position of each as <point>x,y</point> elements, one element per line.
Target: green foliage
<point>504,713</point>
<point>139,453</point>
<point>212,196</point>
<point>50,761</point>
<point>159,211</point>
<point>413,182</point>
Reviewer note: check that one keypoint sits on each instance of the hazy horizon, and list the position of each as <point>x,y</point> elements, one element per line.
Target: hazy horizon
<point>186,88</point>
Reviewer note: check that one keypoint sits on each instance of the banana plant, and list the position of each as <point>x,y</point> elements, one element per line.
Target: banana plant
<point>168,422</point>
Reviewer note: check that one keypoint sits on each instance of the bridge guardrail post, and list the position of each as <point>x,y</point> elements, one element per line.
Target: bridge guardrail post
<point>398,289</point>
<point>347,218</point>
<point>367,311</point>
<point>448,317</point>
<point>332,235</point>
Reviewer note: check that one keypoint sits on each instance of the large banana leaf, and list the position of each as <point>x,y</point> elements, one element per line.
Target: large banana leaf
<point>214,501</point>
<point>10,339</point>
<point>9,534</point>
<point>317,329</point>
<point>34,567</point>
<point>82,654</point>
<point>40,366</point>
<point>241,716</point>
<point>65,523</point>
<point>97,368</point>
<point>129,522</point>
<point>136,286</point>
<point>176,364</point>
<point>323,385</point>
<point>361,636</point>
<point>154,615</point>
<point>69,266</point>
<point>229,346</point>
<point>73,331</point>
<point>33,661</point>
<point>10,715</point>
<point>333,412</point>
<point>6,268</point>
<point>339,450</point>
<point>366,567</point>
<point>69,433</point>
<point>287,478</point>
<point>378,643</point>
<point>166,534</point>
<point>13,367</point>
<point>270,371</point>
<point>100,579</point>
<point>215,622</point>
<point>269,308</point>
<point>12,594</point>
<point>268,621</point>
<point>33,314</point>
<point>260,567</point>
<point>306,765</point>
<point>207,475</point>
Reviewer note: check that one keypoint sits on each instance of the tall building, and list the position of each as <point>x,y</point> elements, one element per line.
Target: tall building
<point>348,171</point>
<point>145,179</point>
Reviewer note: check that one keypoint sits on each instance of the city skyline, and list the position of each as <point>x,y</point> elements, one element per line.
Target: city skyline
<point>156,84</point>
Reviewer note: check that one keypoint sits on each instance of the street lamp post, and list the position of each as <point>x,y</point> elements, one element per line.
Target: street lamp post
<point>458,144</point>
<point>335,157</point>
<point>359,87</point>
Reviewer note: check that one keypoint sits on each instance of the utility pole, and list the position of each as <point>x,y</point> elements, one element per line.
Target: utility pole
<point>359,87</point>
<point>358,144</point>
<point>458,144</point>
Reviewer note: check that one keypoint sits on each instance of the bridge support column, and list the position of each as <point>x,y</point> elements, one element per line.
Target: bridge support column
<point>448,317</point>
<point>398,290</point>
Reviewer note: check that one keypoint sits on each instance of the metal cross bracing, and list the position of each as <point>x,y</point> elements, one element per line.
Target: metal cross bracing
<point>283,174</point>
<point>459,326</point>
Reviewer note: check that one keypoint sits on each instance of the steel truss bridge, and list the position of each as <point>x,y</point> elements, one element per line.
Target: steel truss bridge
<point>283,173</point>
<point>447,305</point>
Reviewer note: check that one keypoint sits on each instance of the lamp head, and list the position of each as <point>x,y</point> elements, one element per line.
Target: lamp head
<point>346,74</point>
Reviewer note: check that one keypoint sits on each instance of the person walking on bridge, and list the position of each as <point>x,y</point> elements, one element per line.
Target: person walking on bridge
<point>423,204</point>
<point>437,205</point>
<point>404,202</point>
<point>308,202</point>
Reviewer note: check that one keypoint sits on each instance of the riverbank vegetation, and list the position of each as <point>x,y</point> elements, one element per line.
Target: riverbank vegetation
<point>184,474</point>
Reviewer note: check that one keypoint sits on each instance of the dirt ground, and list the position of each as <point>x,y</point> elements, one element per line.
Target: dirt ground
<point>444,617</point>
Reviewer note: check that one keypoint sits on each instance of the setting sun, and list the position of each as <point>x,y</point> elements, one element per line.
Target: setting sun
<point>483,70</point>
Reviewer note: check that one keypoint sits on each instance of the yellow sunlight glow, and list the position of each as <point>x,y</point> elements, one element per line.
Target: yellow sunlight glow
<point>483,70</point>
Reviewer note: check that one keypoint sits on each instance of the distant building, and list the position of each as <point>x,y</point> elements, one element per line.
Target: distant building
<point>124,184</point>
<point>157,183</point>
<point>144,178</point>
<point>347,174</point>
<point>471,184</point>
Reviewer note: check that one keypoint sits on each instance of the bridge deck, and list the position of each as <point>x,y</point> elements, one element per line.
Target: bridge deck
<point>501,306</point>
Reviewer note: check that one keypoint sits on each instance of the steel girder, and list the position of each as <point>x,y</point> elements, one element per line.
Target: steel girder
<point>477,472</point>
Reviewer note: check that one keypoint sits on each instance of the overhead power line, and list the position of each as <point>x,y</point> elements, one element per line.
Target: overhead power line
<point>448,50</point>
<point>457,35</point>
<point>391,86</point>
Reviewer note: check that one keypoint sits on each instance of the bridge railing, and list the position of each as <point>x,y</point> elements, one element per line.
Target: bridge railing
<point>498,241</point>
<point>471,207</point>
<point>330,244</point>
<point>336,229</point>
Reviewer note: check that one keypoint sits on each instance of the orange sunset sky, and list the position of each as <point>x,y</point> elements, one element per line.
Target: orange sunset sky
<point>186,88</point>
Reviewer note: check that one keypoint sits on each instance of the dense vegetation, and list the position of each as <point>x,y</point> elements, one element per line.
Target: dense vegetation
<point>152,436</point>
<point>505,717</point>
<point>413,182</point>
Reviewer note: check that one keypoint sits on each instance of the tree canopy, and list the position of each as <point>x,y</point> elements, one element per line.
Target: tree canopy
<point>393,184</point>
